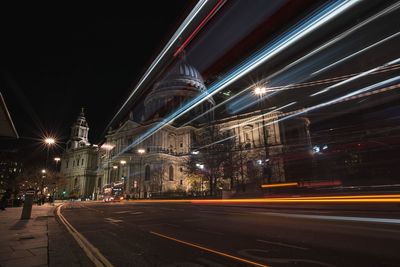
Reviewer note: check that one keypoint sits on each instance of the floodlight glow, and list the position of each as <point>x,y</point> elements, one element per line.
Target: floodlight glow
<point>49,140</point>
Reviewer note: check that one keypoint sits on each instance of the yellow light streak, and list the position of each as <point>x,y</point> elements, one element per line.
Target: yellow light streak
<point>279,185</point>
<point>210,250</point>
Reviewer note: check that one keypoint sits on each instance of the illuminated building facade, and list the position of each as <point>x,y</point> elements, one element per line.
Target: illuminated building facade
<point>159,163</point>
<point>79,161</point>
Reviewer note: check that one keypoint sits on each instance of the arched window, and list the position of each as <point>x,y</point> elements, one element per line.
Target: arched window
<point>147,173</point>
<point>171,173</point>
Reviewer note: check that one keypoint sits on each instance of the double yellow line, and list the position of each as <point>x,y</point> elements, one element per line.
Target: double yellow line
<point>91,251</point>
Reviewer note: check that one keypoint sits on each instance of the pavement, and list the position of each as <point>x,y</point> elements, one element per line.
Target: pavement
<point>39,241</point>
<point>185,234</point>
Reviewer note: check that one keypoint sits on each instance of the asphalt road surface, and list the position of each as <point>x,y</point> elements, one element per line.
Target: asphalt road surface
<point>171,234</point>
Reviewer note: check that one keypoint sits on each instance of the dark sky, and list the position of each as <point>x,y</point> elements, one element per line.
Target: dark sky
<point>56,60</point>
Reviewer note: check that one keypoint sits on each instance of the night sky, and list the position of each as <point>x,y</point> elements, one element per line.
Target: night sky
<point>56,60</point>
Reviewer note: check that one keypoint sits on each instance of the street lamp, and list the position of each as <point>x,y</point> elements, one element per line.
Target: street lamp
<point>123,162</point>
<point>48,141</point>
<point>141,151</point>
<point>260,91</point>
<point>108,148</point>
<point>57,160</point>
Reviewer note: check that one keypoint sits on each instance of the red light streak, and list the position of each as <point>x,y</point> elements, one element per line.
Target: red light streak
<point>384,198</point>
<point>199,27</point>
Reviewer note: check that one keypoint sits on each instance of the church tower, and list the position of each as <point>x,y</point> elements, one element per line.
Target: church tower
<point>79,132</point>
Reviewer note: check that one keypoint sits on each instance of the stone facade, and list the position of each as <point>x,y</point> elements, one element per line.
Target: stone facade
<point>259,145</point>
<point>79,161</point>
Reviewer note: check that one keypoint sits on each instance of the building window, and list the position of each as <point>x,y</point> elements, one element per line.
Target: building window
<point>82,162</point>
<point>181,182</point>
<point>171,173</point>
<point>66,164</point>
<point>73,163</point>
<point>77,162</point>
<point>181,169</point>
<point>147,173</point>
<point>181,145</point>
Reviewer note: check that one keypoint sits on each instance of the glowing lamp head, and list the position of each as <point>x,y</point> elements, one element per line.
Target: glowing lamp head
<point>123,162</point>
<point>107,147</point>
<point>115,167</point>
<point>260,90</point>
<point>57,159</point>
<point>141,151</point>
<point>49,141</point>
<point>43,171</point>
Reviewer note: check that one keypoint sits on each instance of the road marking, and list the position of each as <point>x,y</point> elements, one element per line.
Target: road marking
<point>333,218</point>
<point>281,244</point>
<point>122,212</point>
<point>91,251</point>
<point>113,221</point>
<point>210,250</point>
<point>255,254</point>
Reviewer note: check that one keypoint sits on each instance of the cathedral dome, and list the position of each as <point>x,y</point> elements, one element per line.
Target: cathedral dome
<point>182,83</point>
<point>183,75</point>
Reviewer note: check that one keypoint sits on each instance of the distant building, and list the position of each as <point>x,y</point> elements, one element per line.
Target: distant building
<point>79,161</point>
<point>159,163</point>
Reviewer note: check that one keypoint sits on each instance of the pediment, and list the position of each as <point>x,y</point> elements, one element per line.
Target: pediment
<point>127,126</point>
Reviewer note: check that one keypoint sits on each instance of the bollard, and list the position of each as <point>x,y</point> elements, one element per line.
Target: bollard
<point>27,209</point>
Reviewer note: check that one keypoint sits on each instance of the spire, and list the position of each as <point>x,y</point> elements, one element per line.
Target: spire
<point>82,112</point>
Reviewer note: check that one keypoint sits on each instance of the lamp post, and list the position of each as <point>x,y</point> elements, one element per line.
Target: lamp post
<point>49,141</point>
<point>123,162</point>
<point>108,148</point>
<point>57,160</point>
<point>141,151</point>
<point>260,91</point>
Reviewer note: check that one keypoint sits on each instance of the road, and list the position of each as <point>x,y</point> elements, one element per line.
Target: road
<point>184,234</point>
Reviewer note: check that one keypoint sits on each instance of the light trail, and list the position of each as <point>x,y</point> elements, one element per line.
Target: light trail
<point>226,255</point>
<point>258,117</point>
<point>356,53</point>
<point>337,38</point>
<point>200,26</point>
<point>290,87</point>
<point>362,74</point>
<point>279,185</point>
<point>351,96</point>
<point>302,29</point>
<point>384,198</point>
<point>195,11</point>
<point>329,80</point>
<point>340,99</point>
